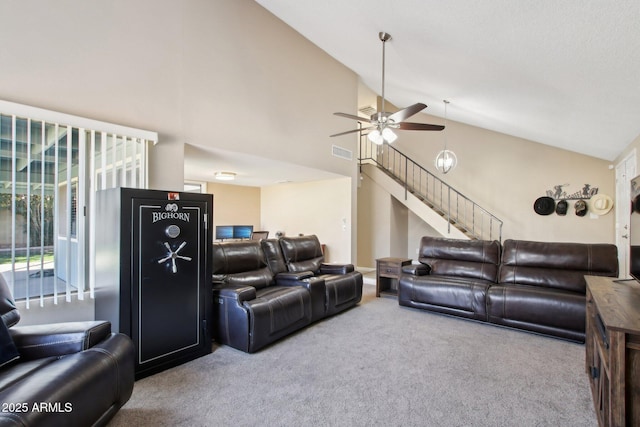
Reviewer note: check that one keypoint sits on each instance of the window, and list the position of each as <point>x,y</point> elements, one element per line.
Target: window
<point>51,165</point>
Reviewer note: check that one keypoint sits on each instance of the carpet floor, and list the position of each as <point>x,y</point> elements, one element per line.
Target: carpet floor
<point>377,364</point>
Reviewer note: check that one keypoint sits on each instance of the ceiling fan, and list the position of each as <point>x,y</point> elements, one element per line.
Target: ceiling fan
<point>381,124</point>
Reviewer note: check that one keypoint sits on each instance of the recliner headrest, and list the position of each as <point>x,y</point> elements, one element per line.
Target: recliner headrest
<point>303,253</point>
<point>237,257</point>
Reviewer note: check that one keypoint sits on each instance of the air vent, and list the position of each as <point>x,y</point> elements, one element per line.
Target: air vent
<point>368,110</point>
<point>343,153</point>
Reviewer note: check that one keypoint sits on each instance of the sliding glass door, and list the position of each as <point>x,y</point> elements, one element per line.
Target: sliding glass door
<point>49,174</point>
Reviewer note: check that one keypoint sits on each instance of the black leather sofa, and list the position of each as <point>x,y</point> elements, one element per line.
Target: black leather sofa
<point>265,290</point>
<point>533,286</point>
<point>65,374</point>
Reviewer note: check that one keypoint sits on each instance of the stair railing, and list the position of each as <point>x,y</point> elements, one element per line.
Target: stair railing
<point>459,211</point>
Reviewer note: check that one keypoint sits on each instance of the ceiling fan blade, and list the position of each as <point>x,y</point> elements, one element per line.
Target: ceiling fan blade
<point>419,126</point>
<point>405,113</point>
<point>351,131</point>
<point>351,116</point>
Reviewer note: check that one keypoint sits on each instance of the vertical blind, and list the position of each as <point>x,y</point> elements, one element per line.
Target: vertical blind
<point>51,166</point>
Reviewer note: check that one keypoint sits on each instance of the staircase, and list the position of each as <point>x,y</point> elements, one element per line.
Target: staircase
<point>437,203</point>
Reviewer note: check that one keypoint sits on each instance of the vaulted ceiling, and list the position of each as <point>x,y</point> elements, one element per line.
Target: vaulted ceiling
<point>560,72</point>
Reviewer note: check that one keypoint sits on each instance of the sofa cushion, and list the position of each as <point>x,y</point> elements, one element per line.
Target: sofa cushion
<point>538,309</point>
<point>241,264</point>
<point>281,306</point>
<point>18,371</point>
<point>276,312</point>
<point>84,384</point>
<point>556,265</point>
<point>475,259</point>
<point>446,294</point>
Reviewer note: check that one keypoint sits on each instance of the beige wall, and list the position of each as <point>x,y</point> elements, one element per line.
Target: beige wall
<point>374,219</point>
<point>268,90</point>
<point>386,228</point>
<point>506,175</point>
<point>320,207</point>
<point>235,204</point>
<point>213,73</point>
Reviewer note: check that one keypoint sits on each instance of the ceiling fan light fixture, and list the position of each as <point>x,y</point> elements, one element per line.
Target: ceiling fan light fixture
<point>388,135</point>
<point>381,119</point>
<point>225,176</point>
<point>376,137</point>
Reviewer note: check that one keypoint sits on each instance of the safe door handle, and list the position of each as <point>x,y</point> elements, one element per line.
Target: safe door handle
<point>172,255</point>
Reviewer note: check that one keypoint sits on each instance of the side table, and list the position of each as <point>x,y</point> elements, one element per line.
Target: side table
<point>388,271</point>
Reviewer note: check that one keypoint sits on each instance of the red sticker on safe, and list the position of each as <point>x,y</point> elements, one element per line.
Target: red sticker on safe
<point>174,196</point>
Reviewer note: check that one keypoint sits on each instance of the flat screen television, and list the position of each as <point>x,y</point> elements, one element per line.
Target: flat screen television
<point>242,231</point>
<point>224,232</point>
<point>634,230</point>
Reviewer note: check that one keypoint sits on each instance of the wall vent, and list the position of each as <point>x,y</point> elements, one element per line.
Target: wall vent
<point>368,110</point>
<point>343,153</point>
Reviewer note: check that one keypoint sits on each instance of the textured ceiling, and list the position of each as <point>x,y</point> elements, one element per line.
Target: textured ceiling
<point>560,72</point>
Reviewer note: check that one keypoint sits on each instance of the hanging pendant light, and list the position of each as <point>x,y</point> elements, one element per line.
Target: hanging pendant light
<point>446,159</point>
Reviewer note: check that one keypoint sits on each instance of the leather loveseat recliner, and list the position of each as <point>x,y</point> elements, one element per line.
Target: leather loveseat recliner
<point>66,374</point>
<point>533,286</point>
<point>251,309</point>
<point>261,295</point>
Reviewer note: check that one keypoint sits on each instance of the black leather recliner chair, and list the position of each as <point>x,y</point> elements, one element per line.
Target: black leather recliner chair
<point>74,373</point>
<point>343,285</point>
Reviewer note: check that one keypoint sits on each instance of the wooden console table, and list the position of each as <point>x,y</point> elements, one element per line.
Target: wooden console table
<point>388,271</point>
<point>613,350</point>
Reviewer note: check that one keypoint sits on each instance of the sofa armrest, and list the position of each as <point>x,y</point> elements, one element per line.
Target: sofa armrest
<point>326,268</point>
<point>416,269</point>
<point>236,292</point>
<point>57,339</point>
<point>314,285</point>
<point>120,348</point>
<point>292,276</point>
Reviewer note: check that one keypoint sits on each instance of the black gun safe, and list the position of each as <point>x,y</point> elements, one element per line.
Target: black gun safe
<point>153,273</point>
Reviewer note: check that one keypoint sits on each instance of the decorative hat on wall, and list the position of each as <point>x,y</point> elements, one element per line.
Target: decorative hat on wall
<point>561,207</point>
<point>601,204</point>
<point>544,205</point>
<point>581,208</point>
